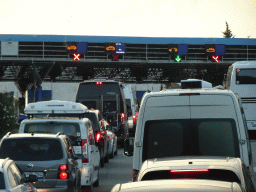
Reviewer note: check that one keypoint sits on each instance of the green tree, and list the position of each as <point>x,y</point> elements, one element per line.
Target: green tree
<point>228,33</point>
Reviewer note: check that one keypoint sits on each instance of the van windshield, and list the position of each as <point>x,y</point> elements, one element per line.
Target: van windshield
<point>70,129</point>
<point>93,90</point>
<point>190,137</point>
<point>245,76</point>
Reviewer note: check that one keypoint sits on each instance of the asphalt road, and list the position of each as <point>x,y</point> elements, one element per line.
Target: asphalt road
<point>117,170</point>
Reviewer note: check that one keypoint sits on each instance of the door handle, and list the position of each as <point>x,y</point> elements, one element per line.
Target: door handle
<point>91,151</point>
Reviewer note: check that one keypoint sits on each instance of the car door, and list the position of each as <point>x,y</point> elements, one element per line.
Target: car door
<point>71,158</point>
<point>94,153</point>
<point>15,179</point>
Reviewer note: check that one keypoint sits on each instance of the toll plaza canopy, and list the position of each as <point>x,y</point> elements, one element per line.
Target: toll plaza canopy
<point>31,59</point>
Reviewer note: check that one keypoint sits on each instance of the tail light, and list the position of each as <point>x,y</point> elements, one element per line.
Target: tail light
<point>189,170</point>
<point>99,83</point>
<point>189,173</point>
<point>134,119</point>
<point>84,146</point>
<point>134,175</point>
<point>98,137</point>
<point>122,117</point>
<point>63,172</point>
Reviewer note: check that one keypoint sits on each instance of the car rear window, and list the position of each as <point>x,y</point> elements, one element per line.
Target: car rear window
<point>2,182</point>
<point>187,137</point>
<point>70,129</point>
<point>31,149</point>
<point>211,174</point>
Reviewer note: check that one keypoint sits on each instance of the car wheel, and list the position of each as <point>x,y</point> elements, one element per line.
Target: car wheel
<point>115,152</point>
<point>86,189</point>
<point>111,156</point>
<point>106,159</point>
<point>101,158</point>
<point>97,182</point>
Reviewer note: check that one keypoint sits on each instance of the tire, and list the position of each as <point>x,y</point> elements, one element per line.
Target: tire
<point>97,182</point>
<point>101,159</point>
<point>115,153</point>
<point>111,156</point>
<point>106,159</point>
<point>86,189</point>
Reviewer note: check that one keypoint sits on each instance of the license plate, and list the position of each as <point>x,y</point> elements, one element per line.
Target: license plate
<point>38,174</point>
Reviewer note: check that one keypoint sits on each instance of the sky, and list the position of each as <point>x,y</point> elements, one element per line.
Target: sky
<point>140,18</point>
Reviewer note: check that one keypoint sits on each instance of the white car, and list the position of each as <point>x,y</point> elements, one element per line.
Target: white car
<point>226,169</point>
<point>181,185</point>
<point>112,140</point>
<point>13,179</point>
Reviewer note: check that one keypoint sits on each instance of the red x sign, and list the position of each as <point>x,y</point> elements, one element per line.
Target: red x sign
<point>115,58</point>
<point>216,59</point>
<point>76,57</point>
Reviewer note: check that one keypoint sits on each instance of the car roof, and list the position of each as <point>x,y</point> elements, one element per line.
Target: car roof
<point>31,135</point>
<point>207,162</point>
<point>194,185</point>
<point>244,64</point>
<point>63,119</point>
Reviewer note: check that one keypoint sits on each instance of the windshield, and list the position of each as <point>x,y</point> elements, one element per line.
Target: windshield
<point>207,137</point>
<point>31,149</point>
<point>246,76</point>
<point>92,90</point>
<point>70,129</point>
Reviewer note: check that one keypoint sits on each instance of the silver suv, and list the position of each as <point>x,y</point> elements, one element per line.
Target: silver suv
<point>48,156</point>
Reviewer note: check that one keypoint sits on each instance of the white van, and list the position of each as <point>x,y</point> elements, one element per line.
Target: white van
<point>132,106</point>
<point>186,122</point>
<point>79,130</point>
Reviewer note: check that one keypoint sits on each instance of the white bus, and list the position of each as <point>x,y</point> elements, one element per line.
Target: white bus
<point>241,79</point>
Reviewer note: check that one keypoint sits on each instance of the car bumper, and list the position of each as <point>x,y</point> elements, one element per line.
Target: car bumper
<point>86,176</point>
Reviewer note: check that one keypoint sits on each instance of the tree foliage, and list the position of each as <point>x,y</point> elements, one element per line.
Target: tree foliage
<point>228,33</point>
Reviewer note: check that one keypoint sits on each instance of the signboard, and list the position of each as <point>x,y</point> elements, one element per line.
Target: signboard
<point>210,49</point>
<point>110,48</point>
<point>183,49</point>
<point>81,47</point>
<point>71,47</point>
<point>172,49</point>
<point>220,49</point>
<point>120,48</point>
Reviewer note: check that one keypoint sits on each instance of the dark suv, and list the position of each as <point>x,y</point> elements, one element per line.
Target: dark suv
<point>48,156</point>
<point>100,134</point>
<point>108,97</point>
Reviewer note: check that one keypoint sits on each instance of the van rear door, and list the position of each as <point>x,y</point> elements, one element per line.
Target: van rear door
<point>222,107</point>
<point>166,107</point>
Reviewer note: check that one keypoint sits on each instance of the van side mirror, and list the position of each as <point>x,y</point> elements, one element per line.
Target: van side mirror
<point>128,147</point>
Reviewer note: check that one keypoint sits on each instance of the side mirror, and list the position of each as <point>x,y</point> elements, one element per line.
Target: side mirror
<point>32,178</point>
<point>128,147</point>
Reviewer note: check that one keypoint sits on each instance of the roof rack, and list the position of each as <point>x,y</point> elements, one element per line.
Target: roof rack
<point>8,134</point>
<point>55,107</point>
<point>59,133</point>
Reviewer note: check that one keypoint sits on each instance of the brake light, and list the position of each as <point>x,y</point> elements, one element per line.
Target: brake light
<point>98,83</point>
<point>133,116</point>
<point>122,116</point>
<point>98,136</point>
<point>182,94</point>
<point>63,175</point>
<point>63,167</point>
<point>188,170</point>
<point>84,146</point>
<point>63,172</point>
<point>135,174</point>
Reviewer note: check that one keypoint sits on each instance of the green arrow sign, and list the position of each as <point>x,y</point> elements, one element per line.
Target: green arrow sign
<point>177,58</point>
